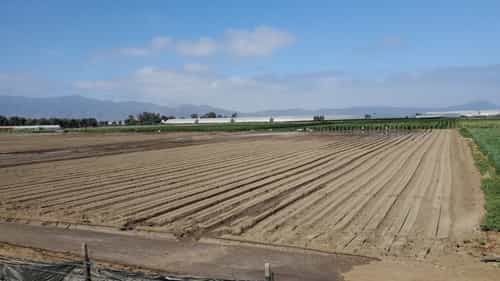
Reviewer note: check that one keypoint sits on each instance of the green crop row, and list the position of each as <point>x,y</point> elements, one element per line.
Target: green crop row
<point>479,123</point>
<point>488,161</point>
<point>331,125</point>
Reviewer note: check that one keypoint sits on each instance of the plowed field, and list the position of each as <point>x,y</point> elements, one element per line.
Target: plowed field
<point>414,194</point>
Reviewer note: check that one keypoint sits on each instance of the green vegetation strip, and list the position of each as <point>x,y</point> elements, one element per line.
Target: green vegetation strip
<point>330,125</point>
<point>487,157</point>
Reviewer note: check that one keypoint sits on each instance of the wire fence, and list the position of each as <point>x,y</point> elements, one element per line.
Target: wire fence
<point>13,269</point>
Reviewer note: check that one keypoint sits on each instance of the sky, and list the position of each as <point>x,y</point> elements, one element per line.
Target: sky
<point>253,55</point>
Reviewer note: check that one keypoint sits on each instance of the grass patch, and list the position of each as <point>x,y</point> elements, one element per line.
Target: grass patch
<point>491,188</point>
<point>489,143</point>
<point>486,153</point>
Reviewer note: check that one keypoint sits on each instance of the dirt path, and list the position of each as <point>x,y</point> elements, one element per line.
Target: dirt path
<point>185,258</point>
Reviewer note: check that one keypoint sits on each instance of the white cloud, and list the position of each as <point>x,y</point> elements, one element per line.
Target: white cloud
<point>156,44</point>
<point>440,87</point>
<point>134,52</point>
<point>195,68</point>
<point>203,47</point>
<point>262,41</point>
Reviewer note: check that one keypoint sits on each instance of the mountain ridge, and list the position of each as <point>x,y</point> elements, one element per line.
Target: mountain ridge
<point>78,107</point>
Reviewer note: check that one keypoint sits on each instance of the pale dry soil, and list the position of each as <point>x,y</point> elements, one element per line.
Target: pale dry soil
<point>412,199</point>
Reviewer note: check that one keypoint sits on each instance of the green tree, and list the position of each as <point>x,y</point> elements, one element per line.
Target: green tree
<point>130,120</point>
<point>210,114</point>
<point>149,118</point>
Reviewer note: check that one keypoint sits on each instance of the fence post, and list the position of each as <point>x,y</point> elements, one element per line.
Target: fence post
<point>86,262</point>
<point>268,274</point>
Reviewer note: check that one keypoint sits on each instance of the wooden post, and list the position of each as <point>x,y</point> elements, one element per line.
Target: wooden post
<point>268,274</point>
<point>86,262</point>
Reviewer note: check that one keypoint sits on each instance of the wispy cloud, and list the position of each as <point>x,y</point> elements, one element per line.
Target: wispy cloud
<point>308,90</point>
<point>155,45</point>
<point>203,47</point>
<point>261,41</point>
<point>196,68</point>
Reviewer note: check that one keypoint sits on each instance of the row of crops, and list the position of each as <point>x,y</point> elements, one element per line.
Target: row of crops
<point>327,125</point>
<point>479,123</point>
<point>386,124</point>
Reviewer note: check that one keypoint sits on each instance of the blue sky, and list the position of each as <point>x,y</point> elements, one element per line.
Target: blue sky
<point>253,55</point>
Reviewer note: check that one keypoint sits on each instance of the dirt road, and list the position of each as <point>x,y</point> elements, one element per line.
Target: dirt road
<point>185,258</point>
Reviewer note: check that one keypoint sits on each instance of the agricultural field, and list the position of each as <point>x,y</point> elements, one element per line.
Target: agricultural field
<point>408,194</point>
<point>21,149</point>
<point>486,151</point>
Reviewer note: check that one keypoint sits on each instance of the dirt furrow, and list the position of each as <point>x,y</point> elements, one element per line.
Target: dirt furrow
<point>156,178</point>
<point>123,177</point>
<point>368,223</point>
<point>171,179</point>
<point>115,197</point>
<point>212,150</point>
<point>142,203</point>
<point>394,236</point>
<point>303,189</point>
<point>206,201</point>
<point>309,210</point>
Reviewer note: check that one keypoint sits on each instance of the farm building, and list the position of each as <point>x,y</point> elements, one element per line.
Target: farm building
<point>47,128</point>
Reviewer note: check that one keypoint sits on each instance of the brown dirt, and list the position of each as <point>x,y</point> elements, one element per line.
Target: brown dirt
<point>23,149</point>
<point>215,259</point>
<point>415,197</point>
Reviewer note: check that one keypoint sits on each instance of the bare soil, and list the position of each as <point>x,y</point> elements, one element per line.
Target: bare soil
<point>216,260</point>
<point>413,197</point>
<point>22,149</point>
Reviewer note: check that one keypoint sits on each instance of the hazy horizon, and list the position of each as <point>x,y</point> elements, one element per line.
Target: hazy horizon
<point>253,56</point>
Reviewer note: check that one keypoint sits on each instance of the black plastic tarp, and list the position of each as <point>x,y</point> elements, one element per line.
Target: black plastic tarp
<point>21,270</point>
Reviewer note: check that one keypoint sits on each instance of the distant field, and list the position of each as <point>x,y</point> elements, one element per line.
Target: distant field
<point>479,123</point>
<point>329,125</point>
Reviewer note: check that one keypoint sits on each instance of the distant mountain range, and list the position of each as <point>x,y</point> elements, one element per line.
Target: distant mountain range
<point>381,111</point>
<point>78,107</point>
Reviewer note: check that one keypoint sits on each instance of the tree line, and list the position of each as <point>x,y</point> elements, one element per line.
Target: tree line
<point>144,118</point>
<point>150,118</point>
<point>63,122</point>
